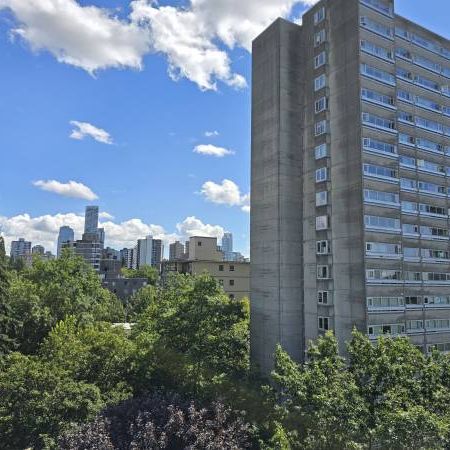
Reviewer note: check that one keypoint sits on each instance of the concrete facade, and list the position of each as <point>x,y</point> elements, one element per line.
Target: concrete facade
<point>350,195</point>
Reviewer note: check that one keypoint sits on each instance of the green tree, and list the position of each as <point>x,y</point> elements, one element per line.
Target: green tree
<point>318,403</point>
<point>194,332</point>
<point>39,401</point>
<point>149,272</point>
<point>97,353</point>
<point>49,291</point>
<point>140,301</point>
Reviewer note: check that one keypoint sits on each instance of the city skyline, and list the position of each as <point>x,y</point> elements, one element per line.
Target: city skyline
<point>57,117</point>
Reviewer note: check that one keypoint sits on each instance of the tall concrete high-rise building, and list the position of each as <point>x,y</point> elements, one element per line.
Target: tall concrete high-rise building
<point>91,219</point>
<point>350,179</point>
<point>20,249</point>
<point>66,234</point>
<point>148,252</point>
<point>38,250</point>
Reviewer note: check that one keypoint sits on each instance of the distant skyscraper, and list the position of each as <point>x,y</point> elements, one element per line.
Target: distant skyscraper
<point>176,251</point>
<point>91,219</point>
<point>38,250</point>
<point>66,234</point>
<point>2,248</point>
<point>227,243</point>
<point>148,252</point>
<point>20,249</point>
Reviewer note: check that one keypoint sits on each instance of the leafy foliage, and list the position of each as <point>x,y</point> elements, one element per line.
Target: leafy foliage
<point>163,421</point>
<point>48,292</point>
<point>149,272</point>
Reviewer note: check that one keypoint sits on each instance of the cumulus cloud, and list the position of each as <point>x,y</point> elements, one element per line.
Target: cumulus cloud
<point>83,36</point>
<point>85,129</point>
<point>212,150</point>
<point>70,189</point>
<point>195,38</point>
<point>225,193</point>
<point>191,226</point>
<point>44,229</point>
<point>211,133</point>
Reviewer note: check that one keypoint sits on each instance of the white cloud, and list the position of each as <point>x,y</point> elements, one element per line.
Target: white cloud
<point>86,37</point>
<point>84,129</point>
<point>212,150</point>
<point>70,189</point>
<point>105,215</point>
<point>44,230</point>
<point>211,133</point>
<point>195,38</point>
<point>191,226</point>
<point>225,193</point>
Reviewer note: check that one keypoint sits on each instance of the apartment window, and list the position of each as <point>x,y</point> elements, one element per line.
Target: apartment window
<point>429,253</point>
<point>431,188</point>
<point>385,302</point>
<point>379,6</point>
<point>319,15</point>
<point>383,275</point>
<point>323,247</point>
<point>221,282</point>
<point>321,105</point>
<point>378,98</point>
<point>404,34</point>
<point>231,268</point>
<point>320,60</point>
<point>403,53</point>
<point>321,174</point>
<point>436,276</point>
<point>231,282</point>
<point>428,166</point>
<point>320,37</point>
<point>372,170</point>
<point>380,197</point>
<point>321,223</point>
<point>382,223</point>
<point>320,151</point>
<point>413,301</point>
<point>406,117</point>
<point>377,74</point>
<point>428,64</point>
<point>408,184</point>
<point>321,198</point>
<point>320,82</point>
<point>404,74</point>
<point>427,144</point>
<point>382,248</point>
<point>426,83</point>
<point>407,161</point>
<point>377,27</point>
<point>324,297</point>
<point>446,90</point>
<point>320,128</point>
<point>412,276</point>
<point>414,325</point>
<point>221,267</point>
<point>405,96</point>
<point>324,323</point>
<point>437,324</point>
<point>393,329</point>
<point>378,122</point>
<point>428,104</point>
<point>434,232</point>
<point>376,50</point>
<point>409,207</point>
<point>199,243</point>
<point>425,43</point>
<point>323,272</point>
<point>379,146</point>
<point>436,300</point>
<point>443,347</point>
<point>231,297</point>
<point>446,71</point>
<point>429,125</point>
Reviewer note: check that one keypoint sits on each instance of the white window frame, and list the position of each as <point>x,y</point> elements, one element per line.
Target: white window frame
<point>323,272</point>
<point>321,104</point>
<point>320,82</point>
<point>320,128</point>
<point>320,151</point>
<point>322,198</point>
<point>319,15</point>
<point>323,323</point>
<point>320,60</point>
<point>322,223</point>
<point>320,37</point>
<point>321,175</point>
<point>323,247</point>
<point>324,297</point>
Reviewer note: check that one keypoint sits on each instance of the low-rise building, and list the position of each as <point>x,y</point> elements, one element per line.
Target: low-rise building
<point>124,288</point>
<point>204,257</point>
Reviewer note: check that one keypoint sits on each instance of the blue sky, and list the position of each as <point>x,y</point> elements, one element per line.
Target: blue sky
<point>149,179</point>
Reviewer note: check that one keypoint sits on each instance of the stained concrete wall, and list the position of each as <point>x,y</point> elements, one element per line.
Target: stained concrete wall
<point>276,193</point>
